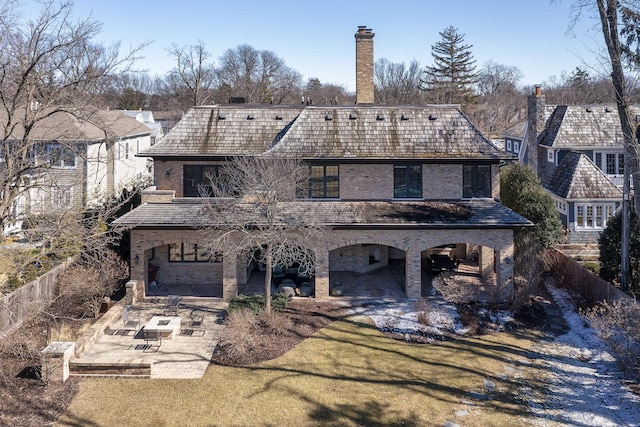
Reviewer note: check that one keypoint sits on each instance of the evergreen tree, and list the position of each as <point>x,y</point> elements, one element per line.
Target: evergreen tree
<point>610,244</point>
<point>452,77</point>
<point>521,190</point>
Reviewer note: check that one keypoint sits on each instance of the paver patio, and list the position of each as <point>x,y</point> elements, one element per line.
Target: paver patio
<point>185,356</point>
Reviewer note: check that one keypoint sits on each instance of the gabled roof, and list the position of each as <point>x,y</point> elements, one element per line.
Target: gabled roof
<point>480,213</point>
<point>65,126</point>
<point>440,132</point>
<point>577,177</point>
<point>584,126</point>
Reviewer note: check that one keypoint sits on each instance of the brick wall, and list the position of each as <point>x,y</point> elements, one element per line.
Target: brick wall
<point>366,181</point>
<point>442,181</point>
<point>364,67</point>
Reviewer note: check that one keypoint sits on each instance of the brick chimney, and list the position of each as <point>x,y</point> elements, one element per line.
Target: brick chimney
<point>536,122</point>
<point>364,66</point>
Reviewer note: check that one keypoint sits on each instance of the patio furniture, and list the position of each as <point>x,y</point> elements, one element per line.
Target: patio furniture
<point>172,304</point>
<point>130,320</point>
<point>167,326</point>
<point>152,336</point>
<point>306,289</point>
<point>287,291</point>
<point>195,320</point>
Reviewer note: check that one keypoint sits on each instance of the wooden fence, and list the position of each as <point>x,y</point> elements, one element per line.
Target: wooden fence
<point>26,301</point>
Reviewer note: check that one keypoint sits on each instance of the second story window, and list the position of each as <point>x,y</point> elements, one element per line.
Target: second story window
<point>197,180</point>
<point>476,181</point>
<point>60,156</point>
<point>407,181</point>
<point>324,182</point>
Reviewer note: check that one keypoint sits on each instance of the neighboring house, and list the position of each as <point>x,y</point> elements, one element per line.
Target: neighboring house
<point>146,117</point>
<point>392,183</point>
<point>81,160</point>
<point>586,188</point>
<point>167,119</point>
<point>586,198</point>
<point>513,138</point>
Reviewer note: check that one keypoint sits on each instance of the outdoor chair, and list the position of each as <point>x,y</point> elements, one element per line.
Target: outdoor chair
<point>129,319</point>
<point>152,336</point>
<point>172,304</point>
<point>195,320</point>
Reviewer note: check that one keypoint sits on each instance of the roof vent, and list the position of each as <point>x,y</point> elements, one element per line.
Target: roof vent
<point>221,117</point>
<point>589,109</point>
<point>432,117</point>
<point>403,117</point>
<point>278,117</point>
<point>249,116</point>
<point>379,117</point>
<point>328,117</point>
<point>607,109</point>
<point>353,117</point>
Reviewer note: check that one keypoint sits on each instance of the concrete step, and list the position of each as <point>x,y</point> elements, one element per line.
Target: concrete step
<point>136,368</point>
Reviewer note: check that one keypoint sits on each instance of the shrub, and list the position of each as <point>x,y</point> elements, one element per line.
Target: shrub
<point>454,291</point>
<point>610,245</point>
<point>255,303</point>
<point>275,323</point>
<point>239,334</point>
<point>618,323</point>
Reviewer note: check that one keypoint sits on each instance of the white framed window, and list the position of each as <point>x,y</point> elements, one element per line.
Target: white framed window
<point>593,215</point>
<point>516,147</point>
<point>60,156</point>
<point>508,145</point>
<point>611,163</point>
<point>551,156</point>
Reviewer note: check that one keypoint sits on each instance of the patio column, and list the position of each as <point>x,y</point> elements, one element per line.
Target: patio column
<point>322,273</point>
<point>413,285</point>
<point>229,277</point>
<point>486,258</point>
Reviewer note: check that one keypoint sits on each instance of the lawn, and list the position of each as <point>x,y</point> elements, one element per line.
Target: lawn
<point>347,374</point>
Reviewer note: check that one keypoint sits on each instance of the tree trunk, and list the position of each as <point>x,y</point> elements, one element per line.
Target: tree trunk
<point>268,261</point>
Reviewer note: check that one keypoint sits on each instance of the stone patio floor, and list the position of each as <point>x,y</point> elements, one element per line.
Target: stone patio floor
<point>186,356</point>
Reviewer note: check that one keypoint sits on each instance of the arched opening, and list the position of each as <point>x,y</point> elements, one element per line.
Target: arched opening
<point>293,267</point>
<point>367,271</point>
<point>471,265</point>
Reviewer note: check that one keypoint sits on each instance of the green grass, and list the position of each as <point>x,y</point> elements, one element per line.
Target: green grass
<point>347,374</point>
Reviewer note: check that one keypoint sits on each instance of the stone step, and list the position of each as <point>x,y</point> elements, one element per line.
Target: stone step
<point>115,367</point>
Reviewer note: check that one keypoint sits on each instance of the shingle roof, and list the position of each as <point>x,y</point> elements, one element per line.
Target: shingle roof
<point>441,132</point>
<point>516,131</point>
<point>482,213</point>
<point>577,177</point>
<point>584,126</point>
<point>63,125</point>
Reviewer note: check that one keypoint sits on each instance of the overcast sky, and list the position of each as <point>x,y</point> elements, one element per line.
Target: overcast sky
<point>315,37</point>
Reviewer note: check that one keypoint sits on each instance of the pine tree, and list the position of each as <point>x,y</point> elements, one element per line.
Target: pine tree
<point>452,77</point>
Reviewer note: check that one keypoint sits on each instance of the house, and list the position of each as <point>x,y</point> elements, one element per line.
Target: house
<point>81,160</point>
<point>396,184</point>
<point>146,117</point>
<point>578,154</point>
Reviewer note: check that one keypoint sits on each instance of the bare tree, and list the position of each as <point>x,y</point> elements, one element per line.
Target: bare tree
<point>254,215</point>
<point>48,65</point>
<point>193,77</point>
<point>609,20</point>
<point>318,93</point>
<point>397,83</point>
<point>501,102</point>
<point>260,76</point>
